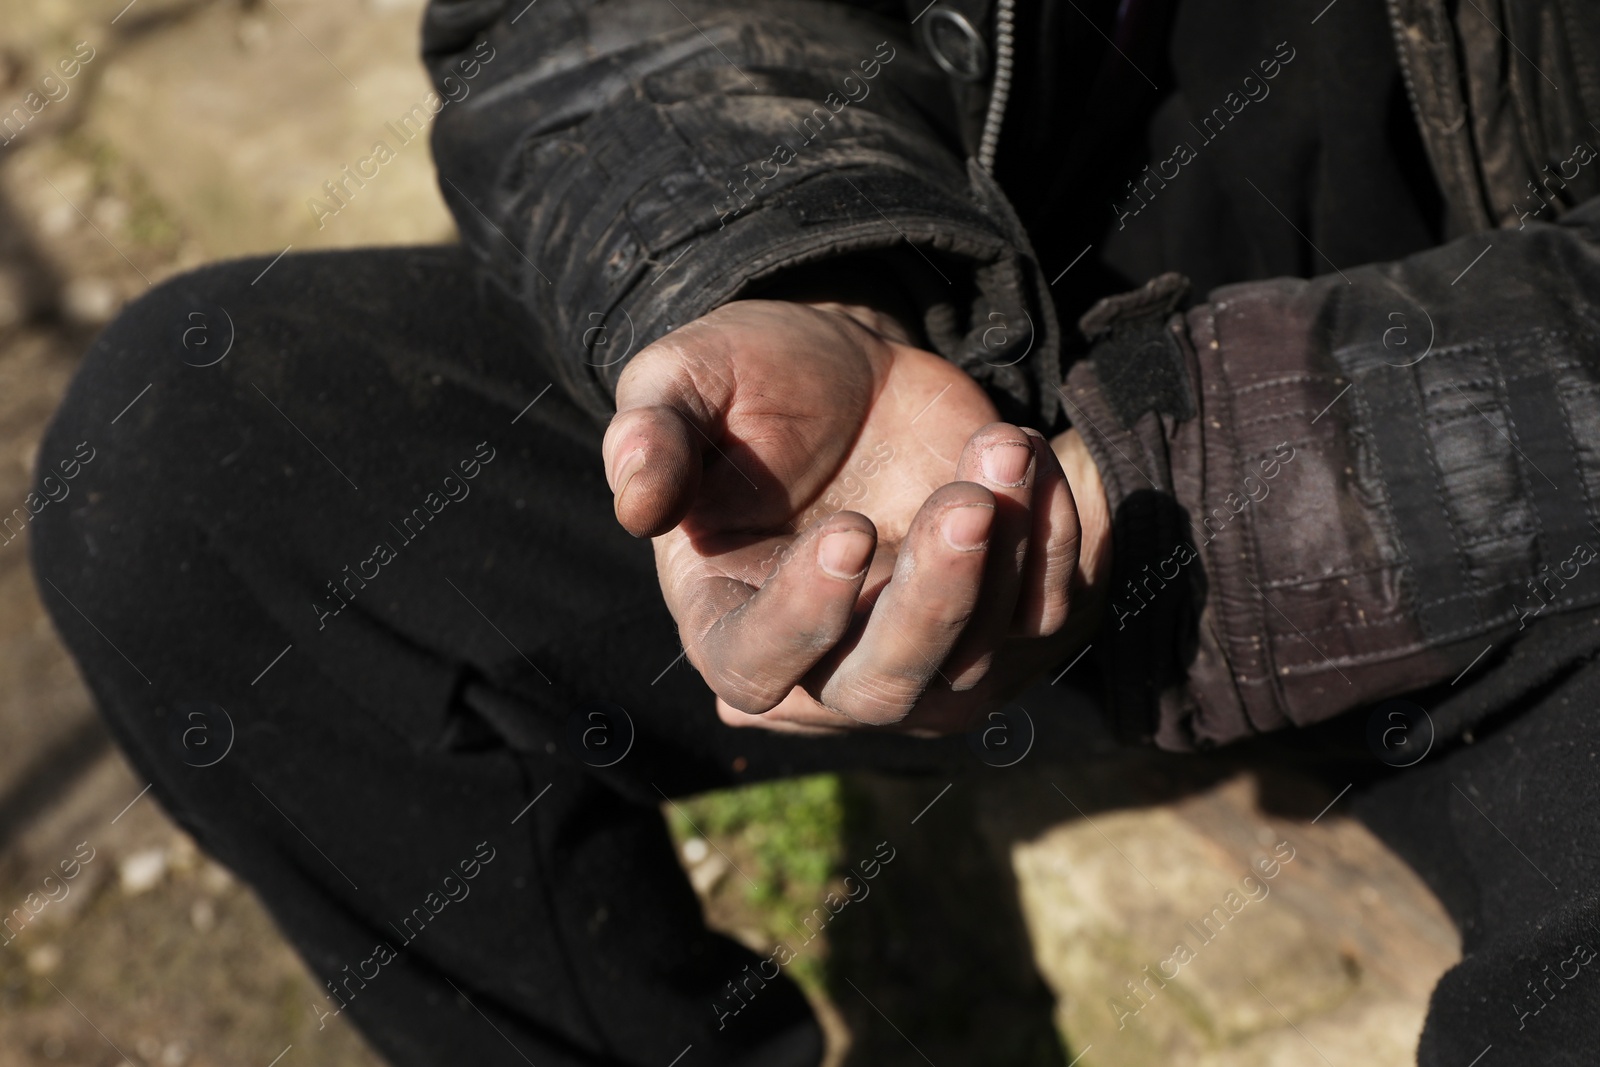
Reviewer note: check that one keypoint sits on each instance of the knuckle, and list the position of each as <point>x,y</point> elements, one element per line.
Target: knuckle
<point>1048,615</point>
<point>879,698</point>
<point>941,621</point>
<point>1060,564</point>
<point>752,694</point>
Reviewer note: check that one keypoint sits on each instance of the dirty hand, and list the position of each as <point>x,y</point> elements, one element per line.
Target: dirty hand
<point>946,587</point>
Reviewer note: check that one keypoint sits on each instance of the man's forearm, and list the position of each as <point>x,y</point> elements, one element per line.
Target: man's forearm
<point>1331,491</point>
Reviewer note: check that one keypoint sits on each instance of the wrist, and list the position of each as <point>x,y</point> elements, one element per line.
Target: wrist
<point>862,291</point>
<point>884,323</point>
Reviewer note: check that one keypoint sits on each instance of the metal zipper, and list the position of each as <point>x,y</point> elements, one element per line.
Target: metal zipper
<point>1004,52</point>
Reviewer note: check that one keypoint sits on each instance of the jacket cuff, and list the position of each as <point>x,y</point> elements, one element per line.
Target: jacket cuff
<point>1258,580</point>
<point>1130,399</point>
<point>960,256</point>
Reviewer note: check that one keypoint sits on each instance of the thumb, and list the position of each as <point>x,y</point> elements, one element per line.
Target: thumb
<point>653,467</point>
<point>652,452</point>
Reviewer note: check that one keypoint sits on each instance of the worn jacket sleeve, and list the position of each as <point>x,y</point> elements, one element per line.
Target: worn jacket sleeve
<point>626,166</point>
<point>1331,491</point>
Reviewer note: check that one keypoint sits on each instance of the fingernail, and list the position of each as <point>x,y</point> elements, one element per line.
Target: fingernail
<point>967,527</point>
<point>630,466</point>
<point>844,553</point>
<point>1007,464</point>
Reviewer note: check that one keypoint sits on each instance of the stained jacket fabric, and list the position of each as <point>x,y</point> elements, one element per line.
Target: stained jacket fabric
<point>1329,486</point>
<point>629,166</point>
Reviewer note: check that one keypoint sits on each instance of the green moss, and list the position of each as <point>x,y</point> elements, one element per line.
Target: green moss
<point>786,839</point>
<point>149,223</point>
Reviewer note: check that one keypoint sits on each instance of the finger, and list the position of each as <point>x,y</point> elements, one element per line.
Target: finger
<point>753,653</point>
<point>653,462</point>
<point>1004,460</point>
<point>937,714</point>
<point>799,713</point>
<point>1042,602</point>
<point>802,716</point>
<point>919,615</point>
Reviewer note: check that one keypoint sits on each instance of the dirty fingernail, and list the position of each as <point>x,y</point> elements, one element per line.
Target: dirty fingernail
<point>967,527</point>
<point>1007,464</point>
<point>844,553</point>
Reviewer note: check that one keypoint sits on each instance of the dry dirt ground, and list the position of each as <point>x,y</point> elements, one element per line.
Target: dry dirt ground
<point>1018,904</point>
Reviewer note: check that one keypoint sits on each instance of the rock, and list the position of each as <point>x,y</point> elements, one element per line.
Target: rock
<point>1166,939</point>
<point>236,139</point>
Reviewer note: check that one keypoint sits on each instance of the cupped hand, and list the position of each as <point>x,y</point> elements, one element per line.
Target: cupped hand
<point>1021,602</point>
<point>740,440</point>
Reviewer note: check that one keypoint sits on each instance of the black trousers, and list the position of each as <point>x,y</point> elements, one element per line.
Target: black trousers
<point>343,578</point>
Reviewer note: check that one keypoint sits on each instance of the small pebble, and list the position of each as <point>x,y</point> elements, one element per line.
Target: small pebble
<point>142,871</point>
<point>90,300</point>
<point>695,850</point>
<point>44,959</point>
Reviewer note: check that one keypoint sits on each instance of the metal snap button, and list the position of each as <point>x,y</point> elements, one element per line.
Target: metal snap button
<point>955,44</point>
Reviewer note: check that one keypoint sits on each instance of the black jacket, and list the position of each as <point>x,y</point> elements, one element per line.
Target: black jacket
<point>1326,491</point>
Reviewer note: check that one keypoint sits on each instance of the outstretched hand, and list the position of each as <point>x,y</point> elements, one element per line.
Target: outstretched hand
<point>740,440</point>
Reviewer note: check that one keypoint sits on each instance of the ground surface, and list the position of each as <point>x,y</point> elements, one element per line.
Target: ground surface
<point>1017,906</point>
